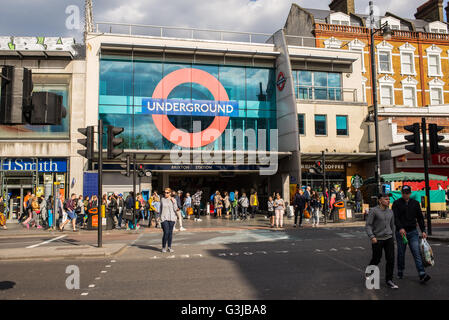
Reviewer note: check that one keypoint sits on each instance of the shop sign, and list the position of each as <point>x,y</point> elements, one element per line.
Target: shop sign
<point>440,159</point>
<point>356,181</point>
<point>38,44</point>
<point>43,165</point>
<point>329,166</point>
<point>280,82</point>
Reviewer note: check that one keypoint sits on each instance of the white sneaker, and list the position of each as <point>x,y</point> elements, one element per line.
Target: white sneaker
<point>164,250</point>
<point>182,229</point>
<point>392,285</point>
<point>195,219</point>
<point>199,220</point>
<point>171,250</point>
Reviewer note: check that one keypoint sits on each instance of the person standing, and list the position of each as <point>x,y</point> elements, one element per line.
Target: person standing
<point>177,197</point>
<point>244,203</point>
<point>271,213</point>
<point>187,207</point>
<point>380,228</point>
<point>358,200</point>
<point>315,205</point>
<point>196,201</point>
<point>26,207</point>
<point>407,213</point>
<point>227,204</point>
<point>235,206</point>
<point>168,218</point>
<point>218,204</point>
<point>279,208</point>
<point>43,210</point>
<point>2,214</point>
<point>254,201</point>
<point>156,204</point>
<point>299,204</point>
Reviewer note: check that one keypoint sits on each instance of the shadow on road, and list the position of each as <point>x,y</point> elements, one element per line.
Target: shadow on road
<point>146,247</point>
<point>5,285</point>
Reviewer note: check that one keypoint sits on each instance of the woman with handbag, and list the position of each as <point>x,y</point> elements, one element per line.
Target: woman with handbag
<point>33,218</point>
<point>279,208</point>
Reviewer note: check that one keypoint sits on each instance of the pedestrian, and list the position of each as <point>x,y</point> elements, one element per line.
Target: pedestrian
<point>315,205</point>
<point>43,209</point>
<point>380,229</point>
<point>129,212</point>
<point>299,204</point>
<point>218,204</point>
<point>69,207</point>
<point>33,218</point>
<point>79,210</point>
<point>113,210</point>
<point>227,204</point>
<point>177,197</point>
<point>156,204</point>
<point>254,202</point>
<point>279,209</point>
<point>196,201</point>
<point>52,217</point>
<point>407,213</point>
<point>271,213</point>
<point>358,200</point>
<point>235,205</point>
<point>168,218</point>
<point>179,203</point>
<point>187,207</point>
<point>26,208</point>
<point>2,214</point>
<point>244,204</point>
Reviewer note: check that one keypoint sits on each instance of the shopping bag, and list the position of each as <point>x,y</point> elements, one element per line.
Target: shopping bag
<point>426,253</point>
<point>189,211</point>
<point>306,214</point>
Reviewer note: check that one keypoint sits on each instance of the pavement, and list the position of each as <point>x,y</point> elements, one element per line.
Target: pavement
<point>255,264</point>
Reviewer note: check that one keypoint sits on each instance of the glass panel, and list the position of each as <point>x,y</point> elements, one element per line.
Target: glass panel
<point>384,60</point>
<point>386,95</point>
<point>409,97</point>
<point>342,125</point>
<point>320,125</point>
<point>301,123</point>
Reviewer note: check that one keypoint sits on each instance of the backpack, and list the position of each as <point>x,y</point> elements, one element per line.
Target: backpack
<point>231,196</point>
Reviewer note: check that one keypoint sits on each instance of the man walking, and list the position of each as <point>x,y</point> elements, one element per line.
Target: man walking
<point>380,228</point>
<point>196,201</point>
<point>299,203</point>
<point>407,212</point>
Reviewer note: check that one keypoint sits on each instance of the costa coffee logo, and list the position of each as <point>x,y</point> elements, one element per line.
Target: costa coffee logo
<point>440,159</point>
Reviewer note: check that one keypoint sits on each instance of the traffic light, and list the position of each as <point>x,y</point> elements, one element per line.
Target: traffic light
<point>113,152</point>
<point>435,138</point>
<point>142,172</point>
<point>88,142</point>
<point>415,138</point>
<point>16,88</point>
<point>126,166</point>
<point>319,168</point>
<point>46,109</point>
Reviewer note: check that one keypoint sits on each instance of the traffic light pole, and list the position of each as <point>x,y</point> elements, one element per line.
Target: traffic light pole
<point>100,183</point>
<point>426,174</point>
<point>324,188</point>
<point>134,185</point>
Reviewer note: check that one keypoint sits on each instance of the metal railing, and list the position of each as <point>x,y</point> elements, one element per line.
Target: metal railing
<point>313,93</point>
<point>181,32</point>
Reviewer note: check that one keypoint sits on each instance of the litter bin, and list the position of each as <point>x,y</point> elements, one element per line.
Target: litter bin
<point>92,219</point>
<point>340,211</point>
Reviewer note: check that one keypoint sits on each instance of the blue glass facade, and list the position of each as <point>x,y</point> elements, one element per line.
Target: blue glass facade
<point>125,82</point>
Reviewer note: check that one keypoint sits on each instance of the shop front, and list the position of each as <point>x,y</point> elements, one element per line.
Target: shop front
<point>36,175</point>
<point>335,175</point>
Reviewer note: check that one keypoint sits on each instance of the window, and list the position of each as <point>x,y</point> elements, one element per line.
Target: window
<point>384,61</point>
<point>357,45</point>
<point>339,18</point>
<point>436,96</point>
<point>409,96</point>
<point>320,125</point>
<point>393,23</point>
<point>342,125</point>
<point>318,85</point>
<point>407,63</point>
<point>301,123</point>
<point>386,95</point>
<point>437,27</point>
<point>434,65</point>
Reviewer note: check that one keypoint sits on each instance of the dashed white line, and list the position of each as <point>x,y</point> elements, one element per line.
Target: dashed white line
<point>97,278</point>
<point>113,261</point>
<point>84,293</point>
<point>108,266</point>
<point>103,271</point>
<point>333,249</point>
<point>91,286</point>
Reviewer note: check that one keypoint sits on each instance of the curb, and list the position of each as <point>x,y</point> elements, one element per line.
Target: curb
<point>438,238</point>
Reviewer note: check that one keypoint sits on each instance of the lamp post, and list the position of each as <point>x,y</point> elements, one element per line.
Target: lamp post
<point>386,32</point>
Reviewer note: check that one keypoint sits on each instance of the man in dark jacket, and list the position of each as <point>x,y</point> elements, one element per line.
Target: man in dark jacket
<point>407,212</point>
<point>299,203</point>
<point>358,200</point>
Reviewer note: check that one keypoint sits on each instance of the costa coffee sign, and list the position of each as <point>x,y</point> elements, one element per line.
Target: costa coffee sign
<point>441,159</point>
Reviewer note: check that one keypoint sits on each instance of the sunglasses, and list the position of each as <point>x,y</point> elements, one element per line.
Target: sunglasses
<point>167,192</point>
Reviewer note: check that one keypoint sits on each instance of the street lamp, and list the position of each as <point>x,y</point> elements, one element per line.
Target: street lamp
<point>386,32</point>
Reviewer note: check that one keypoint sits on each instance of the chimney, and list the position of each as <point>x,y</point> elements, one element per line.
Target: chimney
<point>431,11</point>
<point>345,6</point>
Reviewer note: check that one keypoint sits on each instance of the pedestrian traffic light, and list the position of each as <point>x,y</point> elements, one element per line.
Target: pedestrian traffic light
<point>415,138</point>
<point>46,108</point>
<point>87,142</point>
<point>16,88</point>
<point>435,138</point>
<point>126,166</point>
<point>319,168</point>
<point>113,142</point>
<point>142,172</point>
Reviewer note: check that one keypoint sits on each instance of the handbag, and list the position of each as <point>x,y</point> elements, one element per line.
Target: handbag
<point>189,211</point>
<point>128,214</point>
<point>306,214</point>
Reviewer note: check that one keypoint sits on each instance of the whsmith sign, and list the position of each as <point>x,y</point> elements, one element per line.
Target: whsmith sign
<point>38,44</point>
<point>42,165</point>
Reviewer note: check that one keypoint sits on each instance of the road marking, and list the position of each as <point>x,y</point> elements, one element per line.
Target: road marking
<point>185,256</point>
<point>108,266</point>
<point>171,257</point>
<point>198,254</point>
<point>45,242</point>
<point>281,251</point>
<point>155,257</point>
<point>437,244</point>
<point>84,293</point>
<point>103,271</point>
<point>91,286</point>
<point>333,249</point>
<point>263,252</point>
<point>222,254</point>
<point>318,250</point>
<point>113,260</point>
<point>97,278</point>
<point>345,235</point>
<point>346,248</point>
<point>248,253</point>
<point>361,248</point>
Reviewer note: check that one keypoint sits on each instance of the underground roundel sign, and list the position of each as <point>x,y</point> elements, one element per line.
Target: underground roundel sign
<point>280,81</point>
<point>159,106</point>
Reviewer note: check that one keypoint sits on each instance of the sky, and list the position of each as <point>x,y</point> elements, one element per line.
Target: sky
<point>60,18</point>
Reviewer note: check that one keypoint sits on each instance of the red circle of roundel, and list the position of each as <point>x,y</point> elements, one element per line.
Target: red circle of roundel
<point>177,136</point>
<point>281,81</point>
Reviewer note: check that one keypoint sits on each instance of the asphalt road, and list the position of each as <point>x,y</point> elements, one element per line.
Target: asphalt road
<point>241,264</point>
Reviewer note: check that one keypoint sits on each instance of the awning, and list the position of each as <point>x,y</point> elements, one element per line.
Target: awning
<point>336,156</point>
<point>406,176</point>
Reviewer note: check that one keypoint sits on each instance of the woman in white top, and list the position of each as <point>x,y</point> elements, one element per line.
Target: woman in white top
<point>168,218</point>
<point>279,208</point>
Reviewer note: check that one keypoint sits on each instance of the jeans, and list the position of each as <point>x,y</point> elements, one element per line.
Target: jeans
<point>315,218</point>
<point>388,247</point>
<point>244,211</point>
<point>167,227</point>
<point>358,206</point>
<point>413,242</point>
<point>196,211</point>
<point>299,212</point>
<point>254,210</point>
<point>234,212</point>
